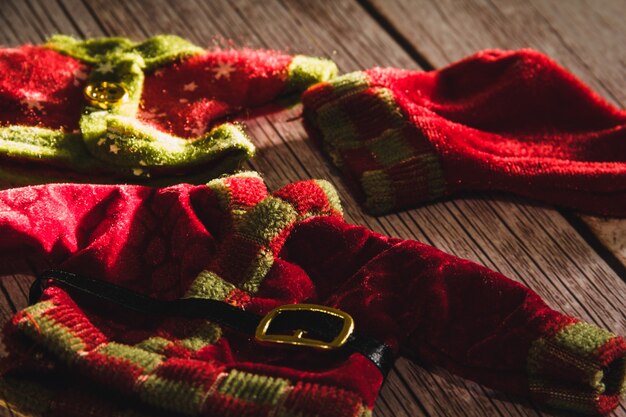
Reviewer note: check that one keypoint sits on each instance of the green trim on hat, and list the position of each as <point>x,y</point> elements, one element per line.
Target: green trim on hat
<point>127,143</point>
<point>56,146</point>
<point>156,51</point>
<point>123,147</point>
<point>304,71</point>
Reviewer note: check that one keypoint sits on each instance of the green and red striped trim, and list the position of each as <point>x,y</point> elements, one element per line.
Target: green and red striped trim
<point>184,385</point>
<point>247,255</point>
<point>370,138</point>
<point>581,367</point>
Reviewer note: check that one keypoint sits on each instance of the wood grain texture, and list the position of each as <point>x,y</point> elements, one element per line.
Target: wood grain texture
<point>534,245</point>
<point>584,36</point>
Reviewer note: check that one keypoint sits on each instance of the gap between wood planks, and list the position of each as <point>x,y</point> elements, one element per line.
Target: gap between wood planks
<point>507,245</point>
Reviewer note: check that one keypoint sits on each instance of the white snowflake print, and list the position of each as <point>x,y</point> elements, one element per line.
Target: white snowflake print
<point>198,130</point>
<point>223,70</point>
<point>190,87</point>
<point>152,114</point>
<point>79,76</point>
<point>104,67</point>
<point>32,101</point>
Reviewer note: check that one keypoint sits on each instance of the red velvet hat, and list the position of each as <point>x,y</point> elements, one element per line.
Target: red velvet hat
<point>509,121</point>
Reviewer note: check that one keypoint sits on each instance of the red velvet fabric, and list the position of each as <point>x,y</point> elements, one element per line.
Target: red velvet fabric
<point>450,312</point>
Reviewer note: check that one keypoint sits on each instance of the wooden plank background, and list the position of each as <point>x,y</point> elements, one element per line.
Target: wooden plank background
<point>577,263</point>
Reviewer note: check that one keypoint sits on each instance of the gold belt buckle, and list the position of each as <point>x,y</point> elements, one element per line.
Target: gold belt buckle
<point>297,338</point>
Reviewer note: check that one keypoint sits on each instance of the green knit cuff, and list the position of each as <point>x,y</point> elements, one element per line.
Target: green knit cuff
<point>125,142</point>
<point>370,138</point>
<point>305,71</point>
<point>122,148</point>
<point>580,368</point>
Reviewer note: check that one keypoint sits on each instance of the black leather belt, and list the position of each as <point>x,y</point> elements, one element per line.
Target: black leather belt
<point>307,325</point>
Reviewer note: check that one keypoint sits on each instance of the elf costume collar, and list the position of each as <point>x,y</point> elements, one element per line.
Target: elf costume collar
<point>512,121</point>
<point>109,109</point>
<point>232,240</point>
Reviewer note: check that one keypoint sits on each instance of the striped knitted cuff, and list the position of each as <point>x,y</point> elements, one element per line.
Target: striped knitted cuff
<point>388,160</point>
<point>581,368</point>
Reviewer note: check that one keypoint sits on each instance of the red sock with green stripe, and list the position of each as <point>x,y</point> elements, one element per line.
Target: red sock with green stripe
<point>503,121</point>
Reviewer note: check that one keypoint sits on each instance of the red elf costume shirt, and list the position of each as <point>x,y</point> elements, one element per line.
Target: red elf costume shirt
<point>231,240</point>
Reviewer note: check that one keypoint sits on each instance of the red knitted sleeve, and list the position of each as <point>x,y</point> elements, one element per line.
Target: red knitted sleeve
<point>460,315</point>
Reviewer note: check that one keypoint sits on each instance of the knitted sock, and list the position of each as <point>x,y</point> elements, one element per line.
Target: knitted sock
<point>509,121</point>
<point>231,240</point>
<point>165,118</point>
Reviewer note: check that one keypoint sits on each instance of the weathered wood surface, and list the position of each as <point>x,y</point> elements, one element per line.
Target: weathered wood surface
<point>535,245</point>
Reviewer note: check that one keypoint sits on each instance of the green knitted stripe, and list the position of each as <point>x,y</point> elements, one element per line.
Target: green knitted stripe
<point>379,191</point>
<point>565,399</point>
<point>37,324</point>
<point>349,83</point>
<point>366,412</point>
<point>156,51</point>
<point>206,334</point>
<point>304,71</point>
<point>331,194</point>
<point>267,220</point>
<point>144,359</point>
<point>154,344</point>
<point>583,339</point>
<point>258,389</point>
<point>337,130</point>
<point>390,148</point>
<point>257,271</point>
<point>262,224</point>
<point>209,285</point>
<point>177,396</point>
